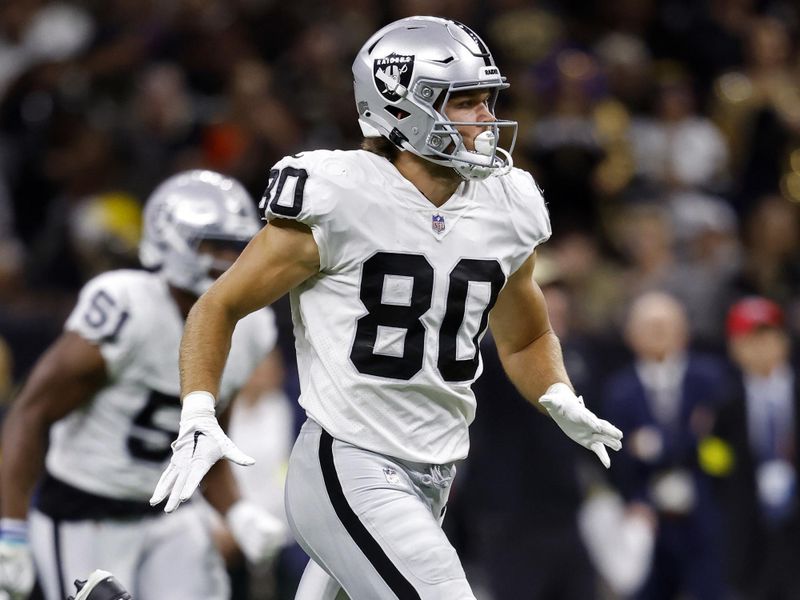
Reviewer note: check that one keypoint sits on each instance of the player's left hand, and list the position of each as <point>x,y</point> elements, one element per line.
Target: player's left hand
<point>201,442</point>
<point>258,534</point>
<point>579,423</point>
<point>16,562</point>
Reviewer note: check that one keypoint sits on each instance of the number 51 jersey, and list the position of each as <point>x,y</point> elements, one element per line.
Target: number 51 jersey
<point>118,443</point>
<point>388,332</point>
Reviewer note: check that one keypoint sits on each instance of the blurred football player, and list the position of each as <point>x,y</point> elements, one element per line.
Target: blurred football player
<point>395,256</point>
<point>106,392</point>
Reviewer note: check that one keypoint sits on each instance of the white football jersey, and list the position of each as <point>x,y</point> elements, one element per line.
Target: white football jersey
<point>118,443</point>
<point>388,333</point>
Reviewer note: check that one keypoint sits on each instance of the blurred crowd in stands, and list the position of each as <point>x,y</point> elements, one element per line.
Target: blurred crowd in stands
<point>665,135</point>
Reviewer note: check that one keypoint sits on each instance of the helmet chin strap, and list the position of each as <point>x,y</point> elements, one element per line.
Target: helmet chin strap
<point>477,164</point>
<point>474,165</point>
<point>482,162</point>
<point>509,162</point>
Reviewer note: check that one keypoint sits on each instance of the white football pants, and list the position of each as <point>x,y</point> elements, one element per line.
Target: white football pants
<point>370,521</point>
<point>161,557</point>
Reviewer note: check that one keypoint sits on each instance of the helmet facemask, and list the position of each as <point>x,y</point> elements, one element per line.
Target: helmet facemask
<point>204,260</point>
<point>446,142</point>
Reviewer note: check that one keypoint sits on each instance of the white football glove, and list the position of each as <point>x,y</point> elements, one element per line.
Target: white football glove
<point>259,534</point>
<point>579,423</point>
<point>201,442</point>
<point>17,573</point>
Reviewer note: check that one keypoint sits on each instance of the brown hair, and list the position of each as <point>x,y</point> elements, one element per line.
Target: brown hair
<point>380,146</point>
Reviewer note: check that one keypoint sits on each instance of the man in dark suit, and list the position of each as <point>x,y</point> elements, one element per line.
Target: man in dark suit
<point>759,426</point>
<point>664,402</point>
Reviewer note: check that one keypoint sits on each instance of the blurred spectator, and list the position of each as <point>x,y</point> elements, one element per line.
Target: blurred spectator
<point>36,31</point>
<point>455,9</point>
<point>83,164</point>
<point>628,63</point>
<point>256,128</point>
<point>206,38</point>
<point>687,246</point>
<point>645,236</point>
<point>571,143</point>
<point>105,230</point>
<point>314,69</point>
<point>758,108</point>
<point>664,402</point>
<point>590,279</point>
<point>162,127</point>
<point>757,458</point>
<point>771,261</point>
<point>715,39</point>
<point>523,33</point>
<point>676,148</point>
<point>709,256</point>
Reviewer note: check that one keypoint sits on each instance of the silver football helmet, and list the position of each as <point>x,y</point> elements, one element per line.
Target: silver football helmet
<point>403,77</point>
<point>185,210</point>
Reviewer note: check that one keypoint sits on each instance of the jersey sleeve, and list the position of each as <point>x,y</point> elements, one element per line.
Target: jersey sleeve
<point>297,190</point>
<point>529,214</point>
<point>102,317</point>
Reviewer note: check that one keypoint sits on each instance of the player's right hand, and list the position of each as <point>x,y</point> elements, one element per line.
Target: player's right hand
<point>201,442</point>
<point>259,534</point>
<point>579,423</point>
<point>17,572</point>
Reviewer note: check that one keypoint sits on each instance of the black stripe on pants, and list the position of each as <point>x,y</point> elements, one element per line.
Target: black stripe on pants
<point>57,551</point>
<point>371,549</point>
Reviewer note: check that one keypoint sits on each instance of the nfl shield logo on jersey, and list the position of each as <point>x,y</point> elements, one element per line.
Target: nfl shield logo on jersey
<point>390,72</point>
<point>437,222</point>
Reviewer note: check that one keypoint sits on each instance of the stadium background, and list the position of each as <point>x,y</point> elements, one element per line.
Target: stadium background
<point>665,135</point>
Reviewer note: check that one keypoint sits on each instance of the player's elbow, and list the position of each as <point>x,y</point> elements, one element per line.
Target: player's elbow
<point>523,343</point>
<point>214,311</point>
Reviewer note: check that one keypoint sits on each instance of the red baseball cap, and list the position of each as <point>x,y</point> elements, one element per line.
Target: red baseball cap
<point>753,313</point>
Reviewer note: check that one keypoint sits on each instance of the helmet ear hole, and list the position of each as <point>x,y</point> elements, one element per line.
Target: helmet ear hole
<point>397,113</point>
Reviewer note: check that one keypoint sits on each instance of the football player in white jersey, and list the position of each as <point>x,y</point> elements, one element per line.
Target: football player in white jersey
<point>396,258</point>
<point>107,392</point>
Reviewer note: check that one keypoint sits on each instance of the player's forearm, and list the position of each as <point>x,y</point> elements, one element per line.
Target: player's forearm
<point>536,367</point>
<point>220,487</point>
<point>23,450</point>
<point>205,345</point>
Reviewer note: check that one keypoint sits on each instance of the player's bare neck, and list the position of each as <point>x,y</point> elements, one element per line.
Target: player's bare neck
<point>436,182</point>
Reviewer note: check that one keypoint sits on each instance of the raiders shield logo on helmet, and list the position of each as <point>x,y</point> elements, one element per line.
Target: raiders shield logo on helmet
<point>391,73</point>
